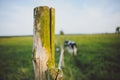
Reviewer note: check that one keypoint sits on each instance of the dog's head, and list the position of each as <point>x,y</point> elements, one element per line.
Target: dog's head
<point>68,43</point>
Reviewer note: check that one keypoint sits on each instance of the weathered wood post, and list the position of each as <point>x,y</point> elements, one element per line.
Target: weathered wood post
<point>43,43</point>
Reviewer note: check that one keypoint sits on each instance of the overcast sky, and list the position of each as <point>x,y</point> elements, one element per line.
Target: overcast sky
<point>72,16</point>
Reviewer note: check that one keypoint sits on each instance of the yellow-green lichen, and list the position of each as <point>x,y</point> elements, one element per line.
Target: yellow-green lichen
<point>44,16</point>
<point>44,24</point>
<point>55,74</point>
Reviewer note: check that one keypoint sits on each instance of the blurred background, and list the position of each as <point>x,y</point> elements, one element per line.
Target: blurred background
<point>93,24</point>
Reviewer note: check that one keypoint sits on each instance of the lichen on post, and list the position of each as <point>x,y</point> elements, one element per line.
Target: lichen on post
<point>52,36</point>
<point>43,43</point>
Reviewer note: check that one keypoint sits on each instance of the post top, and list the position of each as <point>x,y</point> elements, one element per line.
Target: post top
<point>42,7</point>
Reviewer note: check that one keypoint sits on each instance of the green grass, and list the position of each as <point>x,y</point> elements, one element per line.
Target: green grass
<point>16,58</point>
<point>98,57</point>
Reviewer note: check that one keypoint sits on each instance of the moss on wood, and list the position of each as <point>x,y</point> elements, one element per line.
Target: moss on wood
<point>44,29</point>
<point>52,34</point>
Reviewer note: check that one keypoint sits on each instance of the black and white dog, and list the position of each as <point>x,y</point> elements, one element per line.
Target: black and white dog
<point>71,47</point>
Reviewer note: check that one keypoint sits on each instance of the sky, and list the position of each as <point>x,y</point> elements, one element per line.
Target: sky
<point>71,16</point>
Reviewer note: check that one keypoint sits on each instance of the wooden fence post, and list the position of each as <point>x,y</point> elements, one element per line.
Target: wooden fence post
<point>43,44</point>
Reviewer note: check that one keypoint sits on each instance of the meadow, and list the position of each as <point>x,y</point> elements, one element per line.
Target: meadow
<point>98,57</point>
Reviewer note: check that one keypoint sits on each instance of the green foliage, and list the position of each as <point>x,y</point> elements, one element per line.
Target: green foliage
<point>61,32</point>
<point>118,30</point>
<point>98,58</point>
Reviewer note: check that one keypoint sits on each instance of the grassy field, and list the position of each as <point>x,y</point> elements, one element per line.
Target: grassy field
<point>98,57</point>
<point>15,58</point>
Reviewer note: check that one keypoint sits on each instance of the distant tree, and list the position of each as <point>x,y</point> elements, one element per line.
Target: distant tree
<point>118,30</point>
<point>61,32</point>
